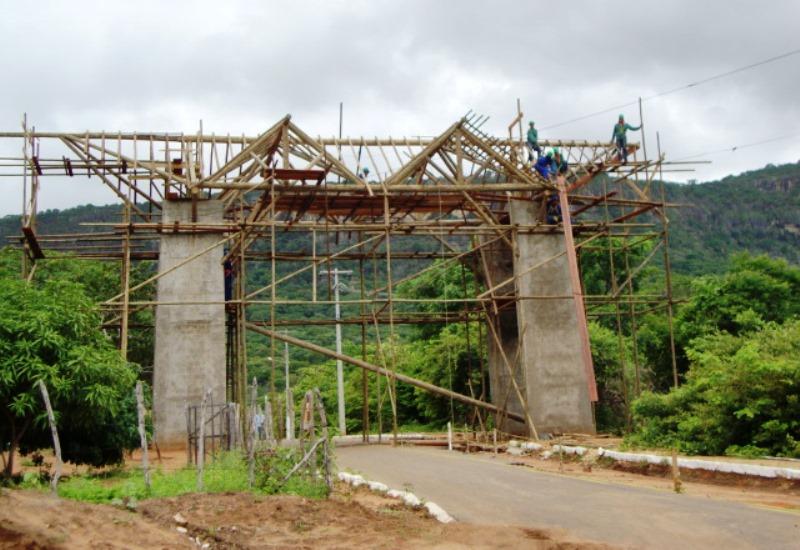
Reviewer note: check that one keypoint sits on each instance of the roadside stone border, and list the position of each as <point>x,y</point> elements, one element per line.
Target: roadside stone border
<point>408,498</point>
<point>739,468</point>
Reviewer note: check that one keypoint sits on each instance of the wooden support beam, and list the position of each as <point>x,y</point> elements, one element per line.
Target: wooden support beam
<point>427,386</point>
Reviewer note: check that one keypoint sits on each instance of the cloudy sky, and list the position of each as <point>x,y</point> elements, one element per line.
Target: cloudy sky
<point>403,68</point>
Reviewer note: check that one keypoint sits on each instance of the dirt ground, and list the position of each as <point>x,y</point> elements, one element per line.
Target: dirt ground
<point>350,519</point>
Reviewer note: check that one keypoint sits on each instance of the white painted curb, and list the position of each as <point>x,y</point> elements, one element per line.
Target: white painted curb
<point>687,463</point>
<point>410,499</point>
<point>709,465</point>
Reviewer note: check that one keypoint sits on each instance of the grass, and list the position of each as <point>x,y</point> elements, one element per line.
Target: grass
<point>226,472</point>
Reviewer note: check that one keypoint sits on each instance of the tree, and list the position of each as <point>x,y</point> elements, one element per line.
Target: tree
<point>741,396</point>
<point>52,333</point>
<point>754,290</point>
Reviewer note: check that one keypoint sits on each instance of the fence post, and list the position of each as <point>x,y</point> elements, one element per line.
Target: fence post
<point>201,441</point>
<point>676,473</point>
<point>251,449</point>
<point>449,436</point>
<point>323,420</point>
<point>269,435</point>
<point>289,414</point>
<point>142,433</point>
<point>51,418</point>
<point>308,425</point>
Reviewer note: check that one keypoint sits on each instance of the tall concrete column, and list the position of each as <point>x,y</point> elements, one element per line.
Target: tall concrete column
<point>547,333</point>
<point>503,337</point>
<point>189,339</point>
<point>551,349</point>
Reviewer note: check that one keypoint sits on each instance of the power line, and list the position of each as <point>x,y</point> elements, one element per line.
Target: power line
<point>738,147</point>
<point>679,88</point>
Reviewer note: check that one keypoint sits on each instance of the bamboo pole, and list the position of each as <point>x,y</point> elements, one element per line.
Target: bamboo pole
<point>384,372</point>
<point>668,276</point>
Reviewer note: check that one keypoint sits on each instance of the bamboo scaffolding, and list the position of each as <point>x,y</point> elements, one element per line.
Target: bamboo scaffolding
<point>449,188</point>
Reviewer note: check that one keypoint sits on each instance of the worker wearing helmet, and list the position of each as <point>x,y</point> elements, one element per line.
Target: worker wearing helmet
<point>620,138</point>
<point>560,164</point>
<point>544,165</point>
<point>533,142</point>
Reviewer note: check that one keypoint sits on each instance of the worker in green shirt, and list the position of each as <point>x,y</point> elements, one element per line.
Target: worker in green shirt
<point>560,164</point>
<point>621,139</point>
<point>533,142</point>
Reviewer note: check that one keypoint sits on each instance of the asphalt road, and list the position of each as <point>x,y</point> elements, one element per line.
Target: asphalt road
<point>480,489</point>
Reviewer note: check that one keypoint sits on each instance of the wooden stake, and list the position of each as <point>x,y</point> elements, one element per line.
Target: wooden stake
<point>251,448</point>
<point>323,421</point>
<point>269,434</point>
<point>201,441</point>
<point>140,412</point>
<point>449,436</point>
<point>677,485</point>
<point>51,418</point>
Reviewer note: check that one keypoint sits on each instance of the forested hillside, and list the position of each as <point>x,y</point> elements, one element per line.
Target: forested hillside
<point>756,212</point>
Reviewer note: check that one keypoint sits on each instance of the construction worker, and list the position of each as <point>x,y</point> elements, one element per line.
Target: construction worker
<point>365,172</point>
<point>560,164</point>
<point>544,165</point>
<point>533,142</point>
<point>621,140</point>
<point>553,209</point>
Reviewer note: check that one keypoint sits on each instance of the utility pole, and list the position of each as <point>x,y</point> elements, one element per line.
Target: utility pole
<point>339,366</point>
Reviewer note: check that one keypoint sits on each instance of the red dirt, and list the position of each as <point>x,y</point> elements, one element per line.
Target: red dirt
<point>350,519</point>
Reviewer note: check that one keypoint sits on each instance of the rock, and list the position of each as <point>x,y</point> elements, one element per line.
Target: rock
<point>515,451</point>
<point>181,530</point>
<point>179,519</point>
<point>411,499</point>
<point>436,511</point>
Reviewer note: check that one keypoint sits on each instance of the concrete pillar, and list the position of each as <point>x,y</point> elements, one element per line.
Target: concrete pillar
<point>189,339</point>
<point>498,263</point>
<point>542,336</point>
<point>556,382</point>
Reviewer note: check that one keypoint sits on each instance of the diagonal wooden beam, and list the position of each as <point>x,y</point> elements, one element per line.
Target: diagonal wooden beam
<point>427,386</point>
<point>336,164</point>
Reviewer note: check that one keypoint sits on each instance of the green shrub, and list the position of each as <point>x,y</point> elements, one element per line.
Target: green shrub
<point>741,397</point>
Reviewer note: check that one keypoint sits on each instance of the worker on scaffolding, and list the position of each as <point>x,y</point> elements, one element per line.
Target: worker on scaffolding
<point>620,138</point>
<point>364,173</point>
<point>553,209</point>
<point>544,165</point>
<point>560,164</point>
<point>533,142</point>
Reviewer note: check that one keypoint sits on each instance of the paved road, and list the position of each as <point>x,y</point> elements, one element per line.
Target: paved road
<point>480,489</point>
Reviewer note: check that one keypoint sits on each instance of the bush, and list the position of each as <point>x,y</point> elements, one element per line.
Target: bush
<point>741,397</point>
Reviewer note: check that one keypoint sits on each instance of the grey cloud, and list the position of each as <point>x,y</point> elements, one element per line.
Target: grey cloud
<point>406,68</point>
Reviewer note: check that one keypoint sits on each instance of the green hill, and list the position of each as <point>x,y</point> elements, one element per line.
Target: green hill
<point>756,211</point>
